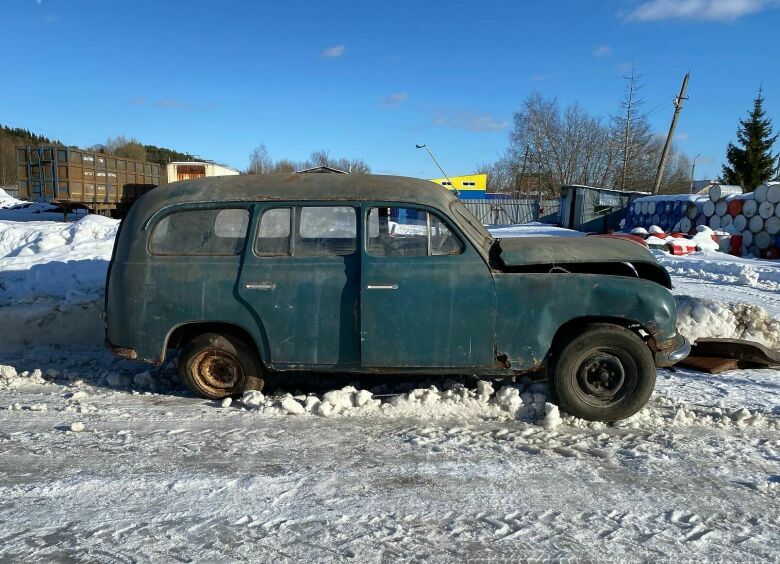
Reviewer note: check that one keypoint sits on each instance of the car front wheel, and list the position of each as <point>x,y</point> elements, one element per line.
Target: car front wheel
<point>605,373</point>
<point>217,366</point>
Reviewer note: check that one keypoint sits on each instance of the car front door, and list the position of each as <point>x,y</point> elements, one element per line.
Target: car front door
<point>427,298</point>
<point>300,279</point>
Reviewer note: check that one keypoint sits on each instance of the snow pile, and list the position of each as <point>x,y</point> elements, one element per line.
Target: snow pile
<point>702,318</point>
<point>52,278</point>
<point>8,201</point>
<point>523,400</point>
<point>533,229</point>
<point>724,269</point>
<point>10,378</point>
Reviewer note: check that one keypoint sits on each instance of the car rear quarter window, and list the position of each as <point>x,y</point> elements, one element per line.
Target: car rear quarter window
<point>208,232</point>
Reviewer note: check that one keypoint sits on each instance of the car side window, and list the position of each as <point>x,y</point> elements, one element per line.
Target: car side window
<point>208,232</point>
<point>326,231</point>
<point>273,235</point>
<point>409,232</point>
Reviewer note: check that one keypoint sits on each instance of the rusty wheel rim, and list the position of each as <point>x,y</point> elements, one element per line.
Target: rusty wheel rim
<point>218,372</point>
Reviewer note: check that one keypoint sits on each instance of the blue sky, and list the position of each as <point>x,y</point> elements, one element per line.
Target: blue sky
<point>371,79</point>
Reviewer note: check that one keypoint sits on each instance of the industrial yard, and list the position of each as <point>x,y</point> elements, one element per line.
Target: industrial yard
<point>105,459</point>
<point>390,282</point>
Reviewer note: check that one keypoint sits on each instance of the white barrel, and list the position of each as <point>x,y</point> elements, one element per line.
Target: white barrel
<point>685,225</point>
<point>756,224</point>
<point>644,208</point>
<point>651,207</point>
<point>715,222</point>
<point>721,207</point>
<point>773,193</point>
<point>772,225</point>
<point>740,222</point>
<point>726,221</point>
<point>749,208</point>
<point>708,208</point>
<point>763,240</point>
<point>691,211</point>
<point>760,193</point>
<point>747,239</point>
<point>766,209</point>
<point>718,191</point>
<point>777,211</point>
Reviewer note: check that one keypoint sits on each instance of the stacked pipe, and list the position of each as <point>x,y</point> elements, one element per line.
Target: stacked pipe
<point>755,217</point>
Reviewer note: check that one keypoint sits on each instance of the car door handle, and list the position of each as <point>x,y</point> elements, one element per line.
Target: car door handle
<point>260,286</point>
<point>382,287</point>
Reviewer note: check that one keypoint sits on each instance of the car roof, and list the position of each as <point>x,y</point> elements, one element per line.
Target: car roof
<point>297,187</point>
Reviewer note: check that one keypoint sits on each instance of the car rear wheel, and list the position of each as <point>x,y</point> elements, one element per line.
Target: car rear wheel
<point>606,373</point>
<point>216,366</point>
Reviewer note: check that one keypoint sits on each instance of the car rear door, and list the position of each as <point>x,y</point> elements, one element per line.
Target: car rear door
<point>427,298</point>
<point>300,279</point>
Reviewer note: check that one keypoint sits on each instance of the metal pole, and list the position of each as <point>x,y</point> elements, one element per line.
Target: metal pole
<point>693,168</point>
<point>678,104</point>
<point>423,146</point>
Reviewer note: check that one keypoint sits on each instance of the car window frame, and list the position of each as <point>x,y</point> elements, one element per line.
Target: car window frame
<point>295,206</point>
<point>154,220</point>
<point>451,225</point>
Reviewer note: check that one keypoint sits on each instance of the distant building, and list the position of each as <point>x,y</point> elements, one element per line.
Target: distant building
<point>470,186</point>
<point>321,169</point>
<point>186,170</point>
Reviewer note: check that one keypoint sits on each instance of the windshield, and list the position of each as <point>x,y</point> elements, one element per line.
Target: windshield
<point>471,224</point>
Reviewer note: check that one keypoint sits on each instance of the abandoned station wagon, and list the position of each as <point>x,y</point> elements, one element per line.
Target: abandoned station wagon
<point>248,275</point>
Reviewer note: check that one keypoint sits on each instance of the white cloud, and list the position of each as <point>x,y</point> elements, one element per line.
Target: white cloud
<point>470,121</point>
<point>333,52</point>
<point>393,100</point>
<point>711,10</point>
<point>602,51</point>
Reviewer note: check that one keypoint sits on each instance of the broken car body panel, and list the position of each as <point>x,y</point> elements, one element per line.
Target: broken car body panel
<point>494,307</point>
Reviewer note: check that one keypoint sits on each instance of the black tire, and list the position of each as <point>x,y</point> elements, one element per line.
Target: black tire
<point>217,366</point>
<point>605,373</point>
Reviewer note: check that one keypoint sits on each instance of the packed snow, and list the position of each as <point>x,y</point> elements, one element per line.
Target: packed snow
<point>107,459</point>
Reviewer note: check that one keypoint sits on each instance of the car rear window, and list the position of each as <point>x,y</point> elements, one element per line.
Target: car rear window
<point>326,231</point>
<point>212,232</point>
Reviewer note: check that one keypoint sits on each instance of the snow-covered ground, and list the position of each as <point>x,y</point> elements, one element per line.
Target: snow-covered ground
<point>101,459</point>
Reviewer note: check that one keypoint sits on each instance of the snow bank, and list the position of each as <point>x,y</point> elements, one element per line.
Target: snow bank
<point>702,318</point>
<point>722,268</point>
<point>52,277</point>
<point>8,201</point>
<point>523,400</point>
<point>533,229</point>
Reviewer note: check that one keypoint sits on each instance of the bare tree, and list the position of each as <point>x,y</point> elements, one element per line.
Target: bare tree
<point>635,135</point>
<point>260,161</point>
<point>121,146</point>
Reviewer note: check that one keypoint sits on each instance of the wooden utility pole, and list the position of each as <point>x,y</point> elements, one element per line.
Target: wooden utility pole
<point>678,104</point>
<point>522,173</point>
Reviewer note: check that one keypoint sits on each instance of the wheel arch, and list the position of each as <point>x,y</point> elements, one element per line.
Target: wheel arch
<point>575,326</point>
<point>185,332</point>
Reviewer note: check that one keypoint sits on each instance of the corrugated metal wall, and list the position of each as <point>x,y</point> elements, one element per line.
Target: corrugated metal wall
<point>514,211</point>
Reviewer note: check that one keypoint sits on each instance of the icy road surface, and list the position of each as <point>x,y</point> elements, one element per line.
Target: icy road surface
<point>171,477</point>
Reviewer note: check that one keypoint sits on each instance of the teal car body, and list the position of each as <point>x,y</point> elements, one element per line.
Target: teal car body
<point>364,273</point>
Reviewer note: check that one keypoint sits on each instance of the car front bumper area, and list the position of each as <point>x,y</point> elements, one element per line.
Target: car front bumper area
<point>671,351</point>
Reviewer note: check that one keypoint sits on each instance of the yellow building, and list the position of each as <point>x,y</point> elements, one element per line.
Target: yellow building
<point>469,186</point>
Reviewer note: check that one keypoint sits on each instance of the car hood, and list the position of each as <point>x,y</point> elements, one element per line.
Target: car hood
<point>526,251</point>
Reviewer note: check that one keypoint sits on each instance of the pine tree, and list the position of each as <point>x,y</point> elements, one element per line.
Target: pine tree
<point>751,164</point>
